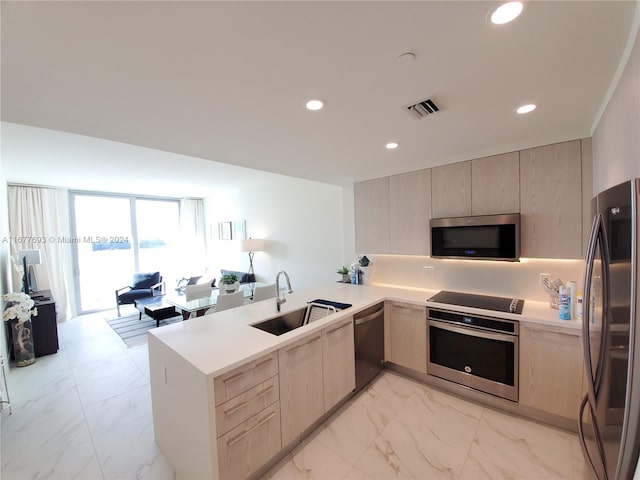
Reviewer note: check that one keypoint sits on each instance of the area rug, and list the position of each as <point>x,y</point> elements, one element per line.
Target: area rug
<point>133,331</point>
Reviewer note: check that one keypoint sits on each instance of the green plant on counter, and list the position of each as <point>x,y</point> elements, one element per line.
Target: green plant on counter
<point>343,270</point>
<point>228,278</point>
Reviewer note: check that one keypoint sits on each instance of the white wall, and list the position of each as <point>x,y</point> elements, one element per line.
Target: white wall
<point>300,220</point>
<point>616,140</point>
<point>4,257</point>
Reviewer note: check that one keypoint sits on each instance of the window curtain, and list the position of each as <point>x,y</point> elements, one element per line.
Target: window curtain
<point>193,236</point>
<point>38,220</point>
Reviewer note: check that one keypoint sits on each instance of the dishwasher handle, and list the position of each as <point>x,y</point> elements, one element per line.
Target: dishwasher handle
<point>368,318</point>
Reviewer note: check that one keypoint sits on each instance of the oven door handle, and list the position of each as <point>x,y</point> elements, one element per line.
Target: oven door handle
<point>473,332</point>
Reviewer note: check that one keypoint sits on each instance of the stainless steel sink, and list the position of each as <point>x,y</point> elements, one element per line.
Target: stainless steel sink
<point>283,323</point>
<point>297,318</point>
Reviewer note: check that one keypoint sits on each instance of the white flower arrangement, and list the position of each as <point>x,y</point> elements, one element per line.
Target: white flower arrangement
<point>20,306</point>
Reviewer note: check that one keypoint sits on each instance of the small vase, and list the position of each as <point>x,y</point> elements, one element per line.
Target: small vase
<point>230,287</point>
<point>22,337</point>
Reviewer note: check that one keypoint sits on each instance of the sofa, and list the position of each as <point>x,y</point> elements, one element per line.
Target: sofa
<point>243,277</point>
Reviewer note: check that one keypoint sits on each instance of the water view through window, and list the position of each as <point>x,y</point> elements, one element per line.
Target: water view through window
<point>117,236</point>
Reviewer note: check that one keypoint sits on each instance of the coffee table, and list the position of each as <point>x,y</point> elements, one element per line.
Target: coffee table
<point>155,307</point>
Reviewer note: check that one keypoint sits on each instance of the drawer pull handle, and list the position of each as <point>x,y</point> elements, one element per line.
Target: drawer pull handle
<point>238,406</point>
<point>240,374</point>
<point>239,437</point>
<point>303,344</point>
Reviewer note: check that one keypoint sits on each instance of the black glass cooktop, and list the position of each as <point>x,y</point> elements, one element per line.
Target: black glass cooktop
<point>486,302</point>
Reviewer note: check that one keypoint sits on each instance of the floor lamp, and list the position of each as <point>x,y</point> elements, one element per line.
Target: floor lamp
<point>251,245</point>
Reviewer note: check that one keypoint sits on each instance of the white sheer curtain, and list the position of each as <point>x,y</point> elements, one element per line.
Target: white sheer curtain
<point>193,236</point>
<point>38,219</point>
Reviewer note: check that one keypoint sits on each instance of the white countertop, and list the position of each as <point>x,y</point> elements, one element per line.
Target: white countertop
<point>219,342</point>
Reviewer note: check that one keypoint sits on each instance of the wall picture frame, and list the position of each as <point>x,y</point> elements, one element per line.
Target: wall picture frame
<point>239,230</point>
<point>225,231</point>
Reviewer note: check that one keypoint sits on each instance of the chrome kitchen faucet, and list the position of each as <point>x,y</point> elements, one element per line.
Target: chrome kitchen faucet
<point>280,301</point>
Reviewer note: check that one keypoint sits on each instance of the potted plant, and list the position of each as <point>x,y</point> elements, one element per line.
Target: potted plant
<point>18,311</point>
<point>344,271</point>
<point>229,283</point>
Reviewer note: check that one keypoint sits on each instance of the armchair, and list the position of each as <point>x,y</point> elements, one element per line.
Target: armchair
<point>143,285</point>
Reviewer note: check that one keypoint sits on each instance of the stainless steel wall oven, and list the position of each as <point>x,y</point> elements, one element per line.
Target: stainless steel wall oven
<point>476,351</point>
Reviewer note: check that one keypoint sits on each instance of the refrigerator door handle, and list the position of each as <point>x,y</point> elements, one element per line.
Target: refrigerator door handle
<point>597,237</point>
<point>597,440</point>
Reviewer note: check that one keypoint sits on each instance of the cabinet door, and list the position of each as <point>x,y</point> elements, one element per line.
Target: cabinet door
<point>551,369</point>
<point>410,212</point>
<point>495,184</point>
<point>551,201</point>
<point>338,360</point>
<point>301,385</point>
<point>371,205</point>
<point>451,190</point>
<point>251,444</point>
<point>408,332</point>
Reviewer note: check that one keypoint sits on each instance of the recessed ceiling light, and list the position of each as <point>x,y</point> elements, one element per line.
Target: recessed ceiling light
<point>526,108</point>
<point>314,104</point>
<point>506,12</point>
<point>392,145</point>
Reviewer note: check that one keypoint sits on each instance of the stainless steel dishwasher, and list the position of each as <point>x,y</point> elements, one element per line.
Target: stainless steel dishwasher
<point>369,343</point>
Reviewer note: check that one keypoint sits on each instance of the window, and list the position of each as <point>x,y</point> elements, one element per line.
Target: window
<point>117,235</point>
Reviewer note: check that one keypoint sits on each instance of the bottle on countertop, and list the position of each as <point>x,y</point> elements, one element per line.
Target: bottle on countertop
<point>355,273</point>
<point>564,310</point>
<point>579,306</point>
<point>571,291</point>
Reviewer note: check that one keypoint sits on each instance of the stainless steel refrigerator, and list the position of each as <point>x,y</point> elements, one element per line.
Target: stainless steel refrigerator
<point>610,410</point>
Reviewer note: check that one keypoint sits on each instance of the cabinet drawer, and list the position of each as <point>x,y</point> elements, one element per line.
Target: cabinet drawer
<point>235,411</point>
<point>252,443</point>
<point>243,378</point>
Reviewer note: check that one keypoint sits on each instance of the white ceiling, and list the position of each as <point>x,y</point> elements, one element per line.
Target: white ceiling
<point>227,81</point>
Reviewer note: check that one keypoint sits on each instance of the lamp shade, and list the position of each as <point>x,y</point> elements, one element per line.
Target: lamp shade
<point>252,245</point>
<point>33,256</point>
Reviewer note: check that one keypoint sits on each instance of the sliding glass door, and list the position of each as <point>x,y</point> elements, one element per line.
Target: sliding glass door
<point>116,236</point>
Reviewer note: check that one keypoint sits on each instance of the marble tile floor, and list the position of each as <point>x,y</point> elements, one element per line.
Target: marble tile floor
<point>85,413</point>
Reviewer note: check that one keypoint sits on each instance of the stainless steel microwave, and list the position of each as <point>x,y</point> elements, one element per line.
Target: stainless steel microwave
<point>486,237</point>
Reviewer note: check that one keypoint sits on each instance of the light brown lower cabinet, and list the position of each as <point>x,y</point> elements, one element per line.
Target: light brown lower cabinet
<point>251,444</point>
<point>316,372</point>
<point>301,385</point>
<point>338,360</point>
<point>551,369</point>
<point>408,335</point>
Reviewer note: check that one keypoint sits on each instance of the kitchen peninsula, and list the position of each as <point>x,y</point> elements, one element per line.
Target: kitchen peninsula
<point>226,395</point>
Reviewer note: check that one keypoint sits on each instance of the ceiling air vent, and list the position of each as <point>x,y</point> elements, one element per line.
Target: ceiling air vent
<point>421,109</point>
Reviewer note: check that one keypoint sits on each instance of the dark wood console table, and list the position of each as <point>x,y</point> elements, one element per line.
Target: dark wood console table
<point>44,326</point>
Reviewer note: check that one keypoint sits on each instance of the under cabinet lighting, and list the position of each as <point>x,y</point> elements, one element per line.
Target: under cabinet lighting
<point>392,145</point>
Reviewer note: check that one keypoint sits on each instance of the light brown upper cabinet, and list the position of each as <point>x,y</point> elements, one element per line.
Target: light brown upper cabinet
<point>371,208</point>
<point>495,184</point>
<point>409,213</point>
<point>451,190</point>
<point>551,201</point>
